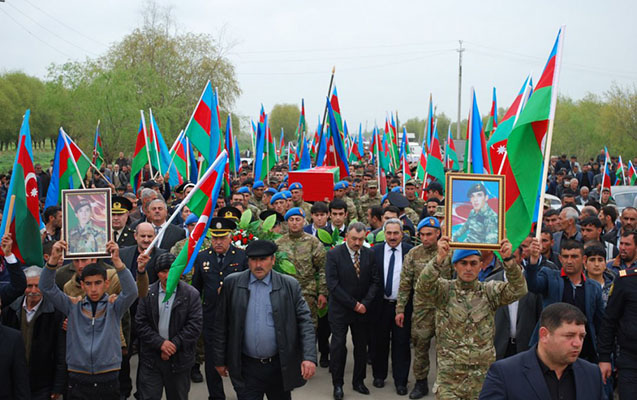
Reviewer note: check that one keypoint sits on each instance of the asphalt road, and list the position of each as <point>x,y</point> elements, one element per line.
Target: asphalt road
<point>320,386</point>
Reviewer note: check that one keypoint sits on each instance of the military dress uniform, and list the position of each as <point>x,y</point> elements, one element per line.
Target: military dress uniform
<point>126,237</point>
<point>307,253</point>
<point>210,271</point>
<point>465,325</point>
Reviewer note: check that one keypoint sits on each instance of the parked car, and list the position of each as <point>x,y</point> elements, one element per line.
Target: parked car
<point>624,196</point>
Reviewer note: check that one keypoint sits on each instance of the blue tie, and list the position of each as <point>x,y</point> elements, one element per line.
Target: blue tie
<point>389,282</point>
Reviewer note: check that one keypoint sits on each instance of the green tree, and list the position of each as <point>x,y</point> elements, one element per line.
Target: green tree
<point>284,116</point>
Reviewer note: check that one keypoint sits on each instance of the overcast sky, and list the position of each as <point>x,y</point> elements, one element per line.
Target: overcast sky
<point>389,55</point>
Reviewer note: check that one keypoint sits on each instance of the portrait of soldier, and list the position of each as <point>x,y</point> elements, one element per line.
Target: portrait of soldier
<point>85,236</point>
<point>481,225</point>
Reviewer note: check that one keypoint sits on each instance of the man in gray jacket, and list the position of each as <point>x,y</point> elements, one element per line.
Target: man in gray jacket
<point>168,328</point>
<point>93,346</point>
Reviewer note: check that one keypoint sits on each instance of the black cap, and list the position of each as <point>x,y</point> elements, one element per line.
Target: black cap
<point>478,187</point>
<point>180,188</point>
<point>120,205</point>
<point>164,261</point>
<point>150,184</point>
<point>229,212</point>
<point>121,187</point>
<point>398,200</point>
<point>261,248</point>
<point>265,214</point>
<point>221,226</point>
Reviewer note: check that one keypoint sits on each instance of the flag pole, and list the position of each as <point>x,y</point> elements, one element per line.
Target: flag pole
<point>623,173</point>
<point>68,148</point>
<point>183,203</point>
<point>156,144</point>
<point>329,91</point>
<point>150,164</point>
<point>90,163</point>
<point>172,159</point>
<point>97,129</point>
<point>549,135</point>
<point>7,227</point>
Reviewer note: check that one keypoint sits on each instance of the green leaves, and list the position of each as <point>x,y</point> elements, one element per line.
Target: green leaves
<point>246,217</point>
<point>269,222</point>
<point>324,236</point>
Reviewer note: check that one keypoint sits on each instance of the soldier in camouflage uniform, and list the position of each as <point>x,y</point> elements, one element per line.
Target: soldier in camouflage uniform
<point>297,200</point>
<point>307,254</point>
<point>372,198</point>
<point>339,193</point>
<point>422,316</point>
<point>86,237</point>
<point>465,316</point>
<point>482,224</point>
<point>244,191</point>
<point>415,202</point>
<point>257,196</point>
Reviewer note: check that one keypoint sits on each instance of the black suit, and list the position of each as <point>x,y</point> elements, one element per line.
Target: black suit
<point>129,255</point>
<point>208,279</point>
<point>172,234</point>
<point>346,290</point>
<point>14,376</point>
<point>385,329</point>
<point>529,310</point>
<point>520,377</point>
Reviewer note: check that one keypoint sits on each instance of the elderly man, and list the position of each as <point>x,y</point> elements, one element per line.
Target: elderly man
<point>157,215</point>
<point>568,228</point>
<point>122,234</point>
<point>144,235</point>
<point>465,311</point>
<point>212,266</point>
<point>44,340</point>
<point>263,335</point>
<point>146,195</point>
<point>583,198</point>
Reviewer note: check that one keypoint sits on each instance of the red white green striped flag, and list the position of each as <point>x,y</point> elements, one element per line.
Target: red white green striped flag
<point>98,153</point>
<point>24,225</point>
<point>525,150</point>
<point>434,159</point>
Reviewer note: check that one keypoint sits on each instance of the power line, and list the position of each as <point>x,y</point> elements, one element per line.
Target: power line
<point>336,49</point>
<point>31,33</point>
<point>64,24</point>
<point>50,31</point>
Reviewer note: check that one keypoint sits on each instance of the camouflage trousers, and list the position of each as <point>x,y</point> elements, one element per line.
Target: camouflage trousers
<point>423,328</point>
<point>459,381</point>
<point>313,305</point>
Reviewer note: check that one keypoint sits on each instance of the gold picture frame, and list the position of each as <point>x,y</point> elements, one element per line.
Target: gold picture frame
<point>86,222</point>
<point>474,210</point>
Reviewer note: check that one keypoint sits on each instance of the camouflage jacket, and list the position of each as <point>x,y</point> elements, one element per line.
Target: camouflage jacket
<point>306,207</point>
<point>176,249</point>
<point>417,204</point>
<point>258,203</point>
<point>465,313</point>
<point>307,254</point>
<point>368,202</point>
<point>480,227</point>
<point>87,239</point>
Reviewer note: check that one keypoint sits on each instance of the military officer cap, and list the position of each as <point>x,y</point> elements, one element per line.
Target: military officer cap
<point>120,205</point>
<point>258,184</point>
<point>278,196</point>
<point>461,254</point>
<point>411,182</point>
<point>121,187</point>
<point>398,200</point>
<point>281,186</point>
<point>429,222</point>
<point>295,186</point>
<point>372,184</point>
<point>230,213</point>
<point>265,214</point>
<point>397,189</point>
<point>294,211</point>
<point>339,186</point>
<point>478,187</point>
<point>181,187</point>
<point>261,248</point>
<point>287,193</point>
<point>272,191</point>
<point>243,190</point>
<point>192,219</point>
<point>220,227</point>
<point>81,204</point>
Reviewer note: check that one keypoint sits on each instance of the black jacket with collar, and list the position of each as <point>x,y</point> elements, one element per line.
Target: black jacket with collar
<point>47,361</point>
<point>14,376</point>
<point>186,321</point>
<point>129,255</point>
<point>292,322</point>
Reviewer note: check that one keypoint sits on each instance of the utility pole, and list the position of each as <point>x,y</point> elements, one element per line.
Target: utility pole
<point>460,50</point>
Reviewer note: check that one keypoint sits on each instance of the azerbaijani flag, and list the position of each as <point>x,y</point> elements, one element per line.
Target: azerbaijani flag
<point>24,226</point>
<point>201,121</point>
<point>281,144</point>
<point>339,147</point>
<point>434,159</point>
<point>429,127</point>
<point>98,153</point>
<point>498,141</point>
<point>185,160</point>
<point>620,174</point>
<point>403,157</point>
<point>162,153</point>
<point>69,169</point>
<point>492,121</point>
<point>476,159</point>
<point>525,148</point>
<point>422,162</point>
<point>201,201</point>
<point>451,157</point>
<point>140,157</point>
<point>608,179</point>
<point>632,174</point>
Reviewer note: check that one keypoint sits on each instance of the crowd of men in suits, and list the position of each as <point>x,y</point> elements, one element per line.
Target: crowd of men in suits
<point>553,319</point>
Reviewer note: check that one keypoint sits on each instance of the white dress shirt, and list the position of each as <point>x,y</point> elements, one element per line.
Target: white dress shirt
<point>398,266</point>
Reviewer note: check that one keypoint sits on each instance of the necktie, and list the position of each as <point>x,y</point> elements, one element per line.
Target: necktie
<point>357,264</point>
<point>220,259</point>
<point>157,228</point>
<point>389,282</point>
<point>115,236</point>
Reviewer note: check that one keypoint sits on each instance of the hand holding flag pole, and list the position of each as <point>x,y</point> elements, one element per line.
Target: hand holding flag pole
<point>7,228</point>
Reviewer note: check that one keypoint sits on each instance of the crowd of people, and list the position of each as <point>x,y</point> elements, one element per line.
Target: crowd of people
<point>554,318</point>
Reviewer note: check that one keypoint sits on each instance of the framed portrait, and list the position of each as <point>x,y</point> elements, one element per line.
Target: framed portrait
<point>86,222</point>
<point>474,210</point>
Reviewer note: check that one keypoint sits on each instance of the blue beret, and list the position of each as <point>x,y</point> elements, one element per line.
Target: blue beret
<point>346,184</point>
<point>287,193</point>
<point>277,196</point>
<point>339,185</point>
<point>462,254</point>
<point>384,198</point>
<point>295,186</point>
<point>281,186</point>
<point>258,184</point>
<point>192,218</point>
<point>429,222</point>
<point>295,211</point>
<point>285,179</point>
<point>272,191</point>
<point>397,189</point>
<point>243,189</point>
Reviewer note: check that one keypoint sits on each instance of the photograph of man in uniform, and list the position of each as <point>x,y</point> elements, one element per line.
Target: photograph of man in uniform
<point>481,223</point>
<point>86,221</point>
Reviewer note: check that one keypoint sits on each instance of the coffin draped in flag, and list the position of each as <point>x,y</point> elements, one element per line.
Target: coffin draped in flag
<point>202,202</point>
<point>24,225</point>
